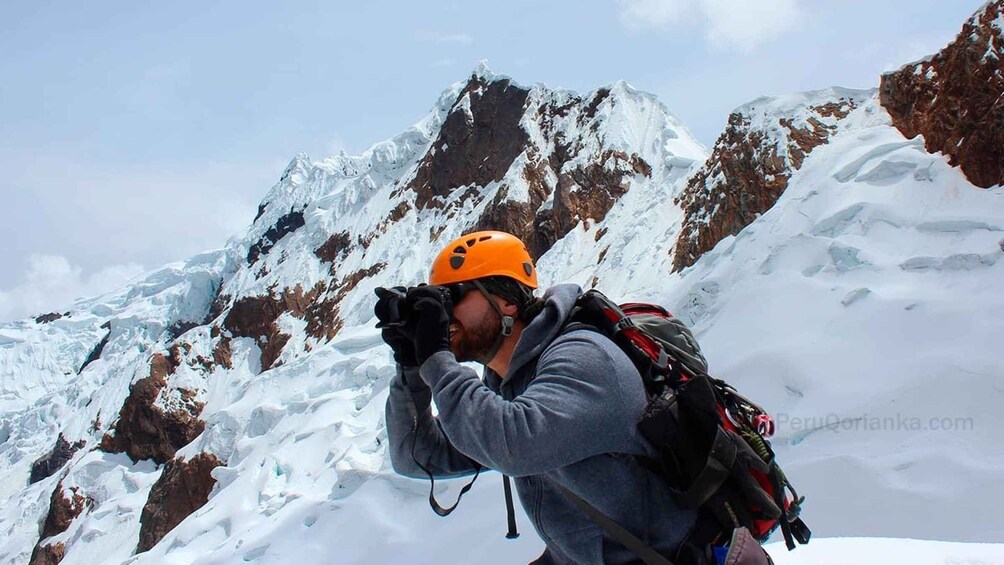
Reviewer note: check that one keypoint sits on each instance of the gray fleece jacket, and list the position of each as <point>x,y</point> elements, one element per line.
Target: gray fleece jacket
<point>566,413</point>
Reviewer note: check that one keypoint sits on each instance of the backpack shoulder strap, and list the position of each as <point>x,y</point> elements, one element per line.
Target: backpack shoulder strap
<point>646,552</point>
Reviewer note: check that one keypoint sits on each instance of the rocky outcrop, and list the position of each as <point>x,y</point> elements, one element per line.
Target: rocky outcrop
<point>223,354</point>
<point>155,421</point>
<point>62,512</point>
<point>483,141</point>
<point>255,317</point>
<point>584,192</point>
<point>183,488</point>
<point>477,143</point>
<point>955,99</point>
<point>48,318</point>
<point>95,353</point>
<point>284,226</point>
<point>177,329</point>
<point>334,248</point>
<point>48,464</point>
<point>749,169</point>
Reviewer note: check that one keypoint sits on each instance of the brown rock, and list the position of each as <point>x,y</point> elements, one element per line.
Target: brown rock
<point>255,317</point>
<point>745,176</point>
<point>47,465</point>
<point>322,314</point>
<point>62,512</point>
<point>48,318</point>
<point>481,139</point>
<point>183,488</point>
<point>335,248</point>
<point>47,554</point>
<point>217,307</point>
<point>956,99</point>
<point>146,431</point>
<point>585,192</point>
<point>222,354</point>
<point>284,226</point>
<point>175,330</point>
<point>474,148</point>
<point>95,353</point>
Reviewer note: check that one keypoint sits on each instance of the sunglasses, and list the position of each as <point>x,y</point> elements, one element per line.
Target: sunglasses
<point>458,290</point>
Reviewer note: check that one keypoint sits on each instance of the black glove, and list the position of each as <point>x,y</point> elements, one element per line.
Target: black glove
<point>433,308</point>
<point>388,308</point>
<point>402,345</point>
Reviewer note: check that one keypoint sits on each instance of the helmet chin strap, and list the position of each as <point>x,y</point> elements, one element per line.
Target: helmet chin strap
<point>507,326</point>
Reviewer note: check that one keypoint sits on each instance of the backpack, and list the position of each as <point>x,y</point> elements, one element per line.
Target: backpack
<point>711,441</point>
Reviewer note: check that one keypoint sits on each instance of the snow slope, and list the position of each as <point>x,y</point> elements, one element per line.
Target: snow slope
<point>865,310</point>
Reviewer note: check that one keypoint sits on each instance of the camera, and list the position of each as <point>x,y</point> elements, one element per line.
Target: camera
<point>395,306</point>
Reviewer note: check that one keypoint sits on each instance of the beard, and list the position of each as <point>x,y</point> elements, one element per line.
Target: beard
<point>474,343</point>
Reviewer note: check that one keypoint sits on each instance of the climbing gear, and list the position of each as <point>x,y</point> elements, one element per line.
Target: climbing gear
<point>483,254</point>
<point>711,440</point>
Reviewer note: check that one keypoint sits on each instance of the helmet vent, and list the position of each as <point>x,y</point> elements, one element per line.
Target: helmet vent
<point>471,242</point>
<point>484,238</point>
<point>457,261</point>
<point>460,249</point>
<point>528,269</point>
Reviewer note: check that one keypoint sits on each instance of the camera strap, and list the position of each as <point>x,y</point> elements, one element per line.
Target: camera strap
<point>436,507</point>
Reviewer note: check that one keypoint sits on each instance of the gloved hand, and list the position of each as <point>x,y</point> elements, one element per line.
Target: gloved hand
<point>388,310</point>
<point>388,306</point>
<point>432,325</point>
<point>402,345</point>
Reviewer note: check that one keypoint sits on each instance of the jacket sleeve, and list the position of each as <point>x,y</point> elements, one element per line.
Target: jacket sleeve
<point>584,400</point>
<point>415,435</point>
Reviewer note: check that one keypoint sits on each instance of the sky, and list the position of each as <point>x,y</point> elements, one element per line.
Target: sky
<point>137,134</point>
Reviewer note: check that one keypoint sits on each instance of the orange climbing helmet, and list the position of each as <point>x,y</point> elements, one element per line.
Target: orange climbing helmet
<point>484,254</point>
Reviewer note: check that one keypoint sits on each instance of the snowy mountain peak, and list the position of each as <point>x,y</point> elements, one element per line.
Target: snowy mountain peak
<point>765,143</point>
<point>483,73</point>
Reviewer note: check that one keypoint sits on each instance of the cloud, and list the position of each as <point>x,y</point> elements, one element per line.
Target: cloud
<point>742,24</point>
<point>727,24</point>
<point>655,14</point>
<point>50,283</point>
<point>461,38</point>
<point>97,215</point>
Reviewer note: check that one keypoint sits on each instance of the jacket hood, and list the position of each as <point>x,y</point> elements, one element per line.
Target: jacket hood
<point>541,331</point>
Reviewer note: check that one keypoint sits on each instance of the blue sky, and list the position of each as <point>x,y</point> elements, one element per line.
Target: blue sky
<point>134,134</point>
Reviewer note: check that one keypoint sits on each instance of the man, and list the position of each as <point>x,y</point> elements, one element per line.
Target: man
<point>557,408</point>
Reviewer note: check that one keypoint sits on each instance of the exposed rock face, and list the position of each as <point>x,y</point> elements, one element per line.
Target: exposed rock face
<point>336,247</point>
<point>748,170</point>
<point>177,329</point>
<point>478,142</point>
<point>284,226</point>
<point>585,191</point>
<point>255,317</point>
<point>62,512</point>
<point>146,430</point>
<point>48,318</point>
<point>182,488</point>
<point>47,554</point>
<point>47,465</point>
<point>956,98</point>
<point>484,141</point>
<point>222,353</point>
<point>95,353</point>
